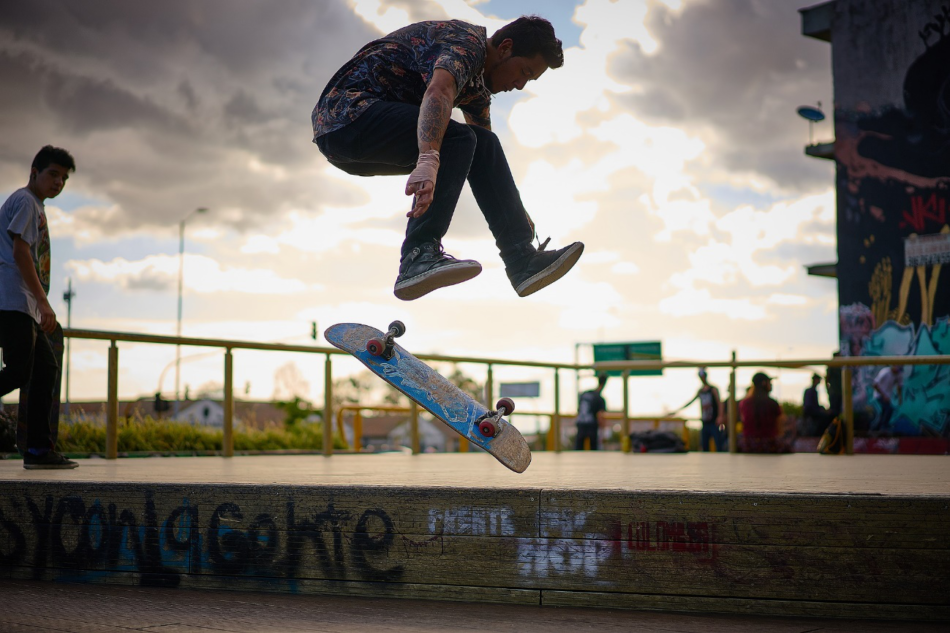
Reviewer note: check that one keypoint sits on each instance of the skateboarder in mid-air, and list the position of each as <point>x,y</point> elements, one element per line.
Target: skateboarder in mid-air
<point>388,111</point>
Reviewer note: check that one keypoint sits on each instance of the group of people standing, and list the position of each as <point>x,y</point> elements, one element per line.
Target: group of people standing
<point>762,417</point>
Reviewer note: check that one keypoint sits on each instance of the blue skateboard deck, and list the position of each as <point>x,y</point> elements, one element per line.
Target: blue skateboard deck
<point>434,393</point>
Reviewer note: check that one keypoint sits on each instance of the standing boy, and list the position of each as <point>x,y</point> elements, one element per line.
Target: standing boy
<point>26,317</point>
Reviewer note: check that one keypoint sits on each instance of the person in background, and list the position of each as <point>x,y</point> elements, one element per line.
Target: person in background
<point>713,414</point>
<point>815,418</point>
<point>762,419</point>
<point>591,408</point>
<point>888,383</point>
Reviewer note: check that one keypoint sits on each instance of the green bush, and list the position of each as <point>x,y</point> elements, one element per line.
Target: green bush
<point>793,409</point>
<point>163,436</point>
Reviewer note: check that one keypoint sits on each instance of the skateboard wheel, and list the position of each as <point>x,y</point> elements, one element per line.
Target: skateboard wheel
<point>398,328</point>
<point>487,428</point>
<point>375,346</point>
<point>506,406</point>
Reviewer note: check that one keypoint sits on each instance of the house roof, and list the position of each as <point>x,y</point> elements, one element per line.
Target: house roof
<point>256,414</point>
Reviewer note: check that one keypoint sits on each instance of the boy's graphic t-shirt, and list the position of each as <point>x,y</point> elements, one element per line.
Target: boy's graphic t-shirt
<point>23,215</point>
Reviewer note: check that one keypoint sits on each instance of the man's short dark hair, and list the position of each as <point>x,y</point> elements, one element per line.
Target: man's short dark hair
<point>532,35</point>
<point>50,155</point>
<point>601,380</point>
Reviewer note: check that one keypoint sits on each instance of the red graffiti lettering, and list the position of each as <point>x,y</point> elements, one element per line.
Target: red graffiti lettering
<point>922,210</point>
<point>665,536</point>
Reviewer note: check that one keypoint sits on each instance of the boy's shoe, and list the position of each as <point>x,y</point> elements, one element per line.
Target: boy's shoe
<point>542,268</point>
<point>427,267</point>
<point>51,460</point>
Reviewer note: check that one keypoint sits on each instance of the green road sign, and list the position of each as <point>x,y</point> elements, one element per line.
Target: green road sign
<point>643,350</point>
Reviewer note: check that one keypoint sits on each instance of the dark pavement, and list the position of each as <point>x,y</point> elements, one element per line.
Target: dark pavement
<point>31,607</point>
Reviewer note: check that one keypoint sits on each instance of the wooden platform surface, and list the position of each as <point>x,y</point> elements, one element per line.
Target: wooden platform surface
<point>890,475</point>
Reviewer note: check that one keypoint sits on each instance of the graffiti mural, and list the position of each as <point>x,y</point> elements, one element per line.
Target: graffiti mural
<point>893,184</point>
<point>164,540</point>
<point>95,538</point>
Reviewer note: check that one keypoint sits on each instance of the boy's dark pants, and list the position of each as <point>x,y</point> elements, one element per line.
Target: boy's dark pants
<point>32,365</point>
<point>383,141</point>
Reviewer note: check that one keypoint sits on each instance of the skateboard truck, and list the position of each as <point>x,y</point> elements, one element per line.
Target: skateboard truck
<point>488,425</point>
<point>385,347</point>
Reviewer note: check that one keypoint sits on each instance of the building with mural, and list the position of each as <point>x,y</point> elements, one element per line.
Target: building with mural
<point>891,64</point>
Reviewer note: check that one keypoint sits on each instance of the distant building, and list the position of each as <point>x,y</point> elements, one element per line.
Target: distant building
<point>204,412</point>
<point>891,63</point>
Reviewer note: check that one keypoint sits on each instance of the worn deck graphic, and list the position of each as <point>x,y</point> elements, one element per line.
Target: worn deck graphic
<point>434,393</point>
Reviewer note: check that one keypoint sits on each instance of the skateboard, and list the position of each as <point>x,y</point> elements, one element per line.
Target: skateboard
<point>430,390</point>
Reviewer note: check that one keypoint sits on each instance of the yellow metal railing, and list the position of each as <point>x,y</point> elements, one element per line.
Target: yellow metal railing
<point>357,410</point>
<point>112,397</point>
<point>112,407</point>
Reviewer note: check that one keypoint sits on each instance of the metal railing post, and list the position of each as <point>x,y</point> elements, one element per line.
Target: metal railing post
<point>848,410</point>
<point>228,437</point>
<point>414,426</point>
<point>733,410</point>
<point>328,408</point>
<point>112,405</point>
<point>490,389</point>
<point>358,431</point>
<point>625,440</point>
<point>556,418</point>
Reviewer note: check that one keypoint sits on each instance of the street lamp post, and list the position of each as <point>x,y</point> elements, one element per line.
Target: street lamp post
<point>181,269</point>
<point>68,298</point>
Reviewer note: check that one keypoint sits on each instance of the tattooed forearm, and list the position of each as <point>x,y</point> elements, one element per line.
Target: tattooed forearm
<point>433,119</point>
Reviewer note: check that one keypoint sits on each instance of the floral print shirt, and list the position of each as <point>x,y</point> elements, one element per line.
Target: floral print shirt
<point>399,66</point>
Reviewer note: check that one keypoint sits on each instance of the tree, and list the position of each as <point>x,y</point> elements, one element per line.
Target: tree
<point>366,388</point>
<point>466,383</point>
<point>212,390</point>
<point>289,383</point>
<point>296,411</point>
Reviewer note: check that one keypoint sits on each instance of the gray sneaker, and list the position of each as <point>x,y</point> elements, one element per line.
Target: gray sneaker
<point>427,267</point>
<point>542,268</point>
<point>48,461</point>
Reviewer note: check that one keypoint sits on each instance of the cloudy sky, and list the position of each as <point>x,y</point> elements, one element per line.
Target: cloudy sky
<point>668,143</point>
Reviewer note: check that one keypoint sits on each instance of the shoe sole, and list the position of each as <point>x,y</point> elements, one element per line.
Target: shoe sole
<point>552,273</point>
<point>425,283</point>
<point>50,466</point>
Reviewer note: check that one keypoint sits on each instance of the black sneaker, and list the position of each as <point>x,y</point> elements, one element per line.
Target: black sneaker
<point>542,268</point>
<point>427,268</point>
<point>49,461</point>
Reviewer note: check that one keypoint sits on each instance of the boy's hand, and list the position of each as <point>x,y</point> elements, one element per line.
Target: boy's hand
<point>421,183</point>
<point>47,317</point>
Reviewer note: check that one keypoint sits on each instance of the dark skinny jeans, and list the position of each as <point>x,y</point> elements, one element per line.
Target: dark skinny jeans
<point>383,141</point>
<point>29,362</point>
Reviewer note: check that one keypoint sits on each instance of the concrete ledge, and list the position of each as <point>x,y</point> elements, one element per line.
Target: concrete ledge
<point>882,551</point>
